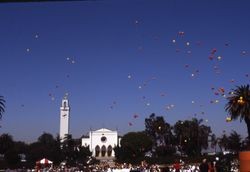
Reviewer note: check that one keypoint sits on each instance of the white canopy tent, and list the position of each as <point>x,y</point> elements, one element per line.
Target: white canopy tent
<point>44,161</point>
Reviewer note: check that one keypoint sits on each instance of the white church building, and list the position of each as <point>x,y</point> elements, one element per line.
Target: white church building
<point>101,142</point>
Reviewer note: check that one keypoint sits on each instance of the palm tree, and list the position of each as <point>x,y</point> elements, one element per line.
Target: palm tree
<point>238,105</point>
<point>2,106</point>
<point>234,142</point>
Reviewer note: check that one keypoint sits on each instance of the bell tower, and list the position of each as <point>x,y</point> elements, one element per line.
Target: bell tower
<point>64,118</point>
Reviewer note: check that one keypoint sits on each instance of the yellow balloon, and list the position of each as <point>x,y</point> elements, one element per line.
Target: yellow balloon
<point>228,119</point>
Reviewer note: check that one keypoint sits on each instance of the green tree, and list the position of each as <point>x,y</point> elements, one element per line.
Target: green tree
<point>133,147</point>
<point>12,158</point>
<point>49,144</point>
<point>162,138</point>
<point>73,152</point>
<point>159,131</point>
<point>214,142</point>
<point>223,142</point>
<point>238,105</point>
<point>6,143</point>
<point>83,154</point>
<point>67,148</point>
<point>2,106</point>
<point>192,136</point>
<point>22,150</point>
<point>46,139</point>
<point>11,151</point>
<point>234,142</point>
<point>45,147</point>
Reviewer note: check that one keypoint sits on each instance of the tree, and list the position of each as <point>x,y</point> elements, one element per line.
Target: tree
<point>46,139</point>
<point>73,152</point>
<point>133,147</point>
<point>238,105</point>
<point>45,147</point>
<point>2,106</point>
<point>48,145</point>
<point>158,130</point>
<point>234,142</point>
<point>12,158</point>
<point>6,143</point>
<point>214,142</point>
<point>11,151</point>
<point>223,142</point>
<point>192,136</point>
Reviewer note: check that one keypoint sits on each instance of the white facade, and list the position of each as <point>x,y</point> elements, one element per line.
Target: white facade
<point>101,143</point>
<point>64,118</point>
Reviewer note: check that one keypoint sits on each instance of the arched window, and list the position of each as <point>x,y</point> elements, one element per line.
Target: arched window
<point>103,150</point>
<point>109,150</point>
<point>97,151</point>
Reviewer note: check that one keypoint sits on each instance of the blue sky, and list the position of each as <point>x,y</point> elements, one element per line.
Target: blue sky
<point>120,58</point>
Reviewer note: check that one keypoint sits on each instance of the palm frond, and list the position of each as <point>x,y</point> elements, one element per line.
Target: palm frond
<point>2,106</point>
<point>234,108</point>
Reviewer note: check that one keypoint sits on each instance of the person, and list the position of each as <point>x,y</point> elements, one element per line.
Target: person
<point>211,166</point>
<point>218,166</point>
<point>165,169</point>
<point>204,166</point>
<point>177,166</point>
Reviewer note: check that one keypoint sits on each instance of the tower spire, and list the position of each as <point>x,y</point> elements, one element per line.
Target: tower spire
<point>66,95</point>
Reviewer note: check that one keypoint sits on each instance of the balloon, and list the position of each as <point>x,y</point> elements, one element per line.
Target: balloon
<point>243,53</point>
<point>135,116</point>
<point>136,22</point>
<point>213,51</point>
<point>228,119</point>
<point>181,33</point>
<point>162,94</point>
<point>211,57</point>
<point>222,90</point>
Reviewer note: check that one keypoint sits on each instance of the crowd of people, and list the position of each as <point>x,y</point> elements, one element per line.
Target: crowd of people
<point>177,166</point>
